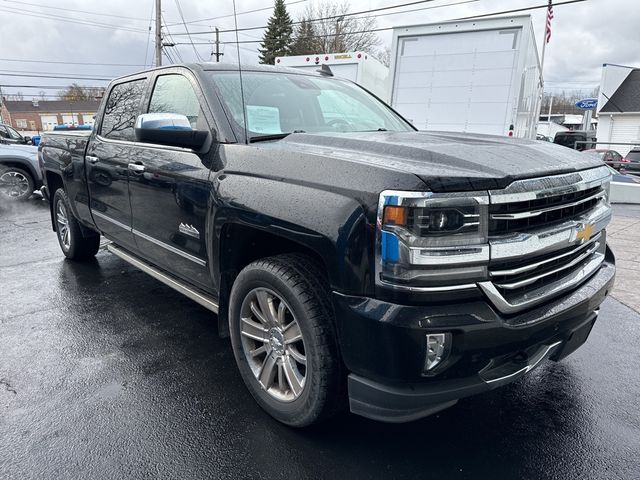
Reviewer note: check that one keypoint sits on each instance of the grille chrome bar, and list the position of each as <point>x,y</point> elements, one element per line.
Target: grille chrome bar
<point>542,187</point>
<point>533,266</point>
<point>540,211</point>
<point>542,294</point>
<point>535,278</point>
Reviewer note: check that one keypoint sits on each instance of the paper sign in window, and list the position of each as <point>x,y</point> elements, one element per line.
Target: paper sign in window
<point>262,119</point>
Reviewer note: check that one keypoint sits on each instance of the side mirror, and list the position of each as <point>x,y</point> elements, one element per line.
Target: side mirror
<point>28,141</point>
<point>170,129</point>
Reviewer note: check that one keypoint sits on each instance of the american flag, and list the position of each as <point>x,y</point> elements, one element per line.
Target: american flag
<point>547,30</point>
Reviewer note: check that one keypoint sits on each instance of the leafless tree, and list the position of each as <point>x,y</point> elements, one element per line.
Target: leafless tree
<point>339,33</point>
<point>18,96</point>
<point>565,101</point>
<point>384,55</point>
<point>77,92</point>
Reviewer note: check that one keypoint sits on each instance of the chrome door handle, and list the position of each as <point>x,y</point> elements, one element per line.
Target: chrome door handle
<point>136,167</point>
<point>92,159</point>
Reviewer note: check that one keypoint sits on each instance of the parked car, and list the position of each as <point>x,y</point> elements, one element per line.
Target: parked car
<point>352,259</point>
<point>10,136</point>
<point>610,157</point>
<point>20,174</point>
<point>544,138</point>
<point>633,161</point>
<point>569,139</point>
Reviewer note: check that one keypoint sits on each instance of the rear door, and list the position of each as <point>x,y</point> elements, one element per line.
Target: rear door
<point>110,152</point>
<point>170,191</point>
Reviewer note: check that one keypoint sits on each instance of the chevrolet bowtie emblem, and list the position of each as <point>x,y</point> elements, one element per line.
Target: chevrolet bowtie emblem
<point>583,234</point>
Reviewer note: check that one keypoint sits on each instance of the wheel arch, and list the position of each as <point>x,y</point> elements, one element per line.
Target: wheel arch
<point>241,244</point>
<point>23,165</point>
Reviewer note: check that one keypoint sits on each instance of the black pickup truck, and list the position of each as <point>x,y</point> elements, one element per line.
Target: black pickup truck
<point>351,259</point>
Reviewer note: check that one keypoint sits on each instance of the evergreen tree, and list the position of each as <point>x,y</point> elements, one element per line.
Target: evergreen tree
<point>304,42</point>
<point>277,38</point>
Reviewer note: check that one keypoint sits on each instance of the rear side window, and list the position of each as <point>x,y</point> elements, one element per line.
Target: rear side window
<point>174,94</point>
<point>121,110</point>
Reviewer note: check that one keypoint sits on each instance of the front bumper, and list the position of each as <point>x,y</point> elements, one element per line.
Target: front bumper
<point>383,345</point>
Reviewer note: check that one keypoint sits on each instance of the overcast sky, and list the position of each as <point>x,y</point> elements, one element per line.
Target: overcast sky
<point>585,35</point>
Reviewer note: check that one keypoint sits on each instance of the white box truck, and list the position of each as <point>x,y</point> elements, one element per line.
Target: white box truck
<point>359,67</point>
<point>480,76</point>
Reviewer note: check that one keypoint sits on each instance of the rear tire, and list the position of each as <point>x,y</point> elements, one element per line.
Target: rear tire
<point>17,184</point>
<point>73,243</point>
<point>284,341</point>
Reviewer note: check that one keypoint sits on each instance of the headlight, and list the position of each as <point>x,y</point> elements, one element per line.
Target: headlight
<point>426,240</point>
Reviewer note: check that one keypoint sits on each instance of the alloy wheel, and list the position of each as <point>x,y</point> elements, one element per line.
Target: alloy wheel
<point>62,219</point>
<point>273,344</point>
<point>15,184</point>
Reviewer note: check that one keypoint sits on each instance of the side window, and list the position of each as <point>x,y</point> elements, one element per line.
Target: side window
<point>121,111</point>
<point>174,94</point>
<point>13,134</point>
<point>3,132</point>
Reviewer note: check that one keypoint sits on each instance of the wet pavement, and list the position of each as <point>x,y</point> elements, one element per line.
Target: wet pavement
<point>106,373</point>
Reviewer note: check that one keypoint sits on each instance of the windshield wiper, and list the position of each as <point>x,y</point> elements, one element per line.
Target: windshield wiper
<point>273,136</point>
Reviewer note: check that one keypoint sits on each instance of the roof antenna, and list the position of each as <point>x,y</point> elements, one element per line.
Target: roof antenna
<point>325,70</point>
<point>244,109</point>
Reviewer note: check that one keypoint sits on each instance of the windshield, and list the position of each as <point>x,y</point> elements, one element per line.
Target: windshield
<point>281,103</point>
<point>633,156</point>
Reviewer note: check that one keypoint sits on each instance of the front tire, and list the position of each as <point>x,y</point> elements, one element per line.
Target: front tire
<point>283,338</point>
<point>73,243</point>
<point>16,183</point>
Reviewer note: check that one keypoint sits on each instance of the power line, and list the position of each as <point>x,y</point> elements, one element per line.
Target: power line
<point>70,77</point>
<point>172,42</point>
<point>75,74</point>
<point>146,49</point>
<point>239,13</point>
<point>533,7</point>
<point>332,17</point>
<point>47,87</point>
<point>58,62</point>
<point>58,18</point>
<point>74,10</point>
<point>195,50</point>
<point>393,13</point>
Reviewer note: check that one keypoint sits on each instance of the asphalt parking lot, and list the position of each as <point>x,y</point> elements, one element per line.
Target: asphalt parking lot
<point>106,373</point>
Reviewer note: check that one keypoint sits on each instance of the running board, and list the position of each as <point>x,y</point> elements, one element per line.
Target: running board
<point>204,300</point>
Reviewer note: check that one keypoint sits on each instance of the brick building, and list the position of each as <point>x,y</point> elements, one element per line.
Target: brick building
<point>42,115</point>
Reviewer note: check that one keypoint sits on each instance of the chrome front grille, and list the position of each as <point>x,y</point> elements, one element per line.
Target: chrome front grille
<point>530,214</point>
<point>547,236</point>
<point>518,280</point>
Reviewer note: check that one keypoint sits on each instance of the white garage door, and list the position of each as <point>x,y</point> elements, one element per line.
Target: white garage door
<point>458,81</point>
<point>48,122</point>
<point>70,119</point>
<point>625,129</point>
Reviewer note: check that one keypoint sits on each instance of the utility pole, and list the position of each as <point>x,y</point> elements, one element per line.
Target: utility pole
<point>158,33</point>
<point>217,52</point>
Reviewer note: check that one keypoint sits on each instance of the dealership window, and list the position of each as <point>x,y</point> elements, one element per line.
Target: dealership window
<point>21,123</point>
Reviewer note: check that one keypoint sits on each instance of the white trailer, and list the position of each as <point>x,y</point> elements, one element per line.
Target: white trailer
<point>480,76</point>
<point>359,67</point>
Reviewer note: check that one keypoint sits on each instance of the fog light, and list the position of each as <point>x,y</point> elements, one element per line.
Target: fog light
<point>437,348</point>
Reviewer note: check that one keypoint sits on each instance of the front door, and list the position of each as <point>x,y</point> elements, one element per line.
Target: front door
<point>169,189</point>
<point>107,162</point>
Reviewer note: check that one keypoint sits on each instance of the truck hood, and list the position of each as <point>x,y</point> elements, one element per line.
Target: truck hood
<point>446,161</point>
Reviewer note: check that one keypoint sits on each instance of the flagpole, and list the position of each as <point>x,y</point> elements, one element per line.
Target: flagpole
<point>541,80</point>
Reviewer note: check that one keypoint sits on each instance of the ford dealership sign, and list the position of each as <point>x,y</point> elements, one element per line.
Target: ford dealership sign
<point>587,103</point>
